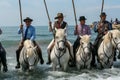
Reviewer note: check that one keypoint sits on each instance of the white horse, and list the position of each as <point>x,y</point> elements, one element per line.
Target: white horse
<point>106,49</point>
<point>28,56</point>
<point>60,53</point>
<point>84,54</point>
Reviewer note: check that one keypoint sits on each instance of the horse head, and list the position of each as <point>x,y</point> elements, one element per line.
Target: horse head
<point>85,43</point>
<point>31,54</point>
<point>114,36</point>
<point>60,39</point>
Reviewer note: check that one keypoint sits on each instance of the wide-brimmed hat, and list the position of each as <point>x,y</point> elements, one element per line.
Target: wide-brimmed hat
<point>103,14</point>
<point>28,19</point>
<point>82,18</point>
<point>59,15</point>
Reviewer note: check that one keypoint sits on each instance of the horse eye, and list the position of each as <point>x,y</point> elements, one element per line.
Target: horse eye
<point>115,38</point>
<point>56,37</point>
<point>82,43</point>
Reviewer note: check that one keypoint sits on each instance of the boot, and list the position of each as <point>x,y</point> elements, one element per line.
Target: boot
<point>5,69</point>
<point>49,60</point>
<point>17,66</point>
<point>40,55</point>
<point>17,59</point>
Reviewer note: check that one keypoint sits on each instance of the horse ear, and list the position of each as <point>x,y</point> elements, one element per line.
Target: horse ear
<point>35,47</point>
<point>80,36</point>
<point>55,29</point>
<point>110,35</point>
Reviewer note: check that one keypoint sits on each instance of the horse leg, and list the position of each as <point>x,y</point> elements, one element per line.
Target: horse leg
<point>54,66</point>
<point>88,66</point>
<point>65,66</point>
<point>78,66</point>
<point>0,65</point>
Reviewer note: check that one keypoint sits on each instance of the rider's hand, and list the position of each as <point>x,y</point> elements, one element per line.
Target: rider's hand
<point>50,23</point>
<point>50,26</point>
<point>21,26</point>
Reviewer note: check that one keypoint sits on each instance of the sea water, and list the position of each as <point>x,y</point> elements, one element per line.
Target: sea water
<point>10,40</point>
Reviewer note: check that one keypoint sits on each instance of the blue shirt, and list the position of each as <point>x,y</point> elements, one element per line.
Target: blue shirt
<point>31,34</point>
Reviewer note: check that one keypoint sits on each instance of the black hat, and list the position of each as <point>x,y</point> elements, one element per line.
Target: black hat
<point>82,18</point>
<point>59,15</point>
<point>27,18</point>
<point>103,14</point>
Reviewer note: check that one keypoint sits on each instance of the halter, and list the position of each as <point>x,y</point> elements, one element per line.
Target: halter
<point>59,42</point>
<point>83,49</point>
<point>60,55</point>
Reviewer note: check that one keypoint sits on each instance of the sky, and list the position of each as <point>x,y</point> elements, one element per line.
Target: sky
<point>35,9</point>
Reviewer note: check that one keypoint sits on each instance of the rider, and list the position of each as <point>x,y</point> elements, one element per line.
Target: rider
<point>3,56</point>
<point>81,29</point>
<point>101,28</point>
<point>59,24</point>
<point>28,33</point>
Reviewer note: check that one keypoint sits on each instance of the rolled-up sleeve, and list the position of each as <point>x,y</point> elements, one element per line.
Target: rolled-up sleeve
<point>33,34</point>
<point>19,31</point>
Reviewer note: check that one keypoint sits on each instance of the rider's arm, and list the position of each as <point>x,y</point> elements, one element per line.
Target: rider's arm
<point>19,31</point>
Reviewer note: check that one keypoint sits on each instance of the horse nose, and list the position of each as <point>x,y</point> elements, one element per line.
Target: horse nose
<point>61,49</point>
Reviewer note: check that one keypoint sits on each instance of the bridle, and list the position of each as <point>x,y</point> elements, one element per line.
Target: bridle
<point>64,41</point>
<point>84,59</point>
<point>26,60</point>
<point>116,44</point>
<point>60,51</point>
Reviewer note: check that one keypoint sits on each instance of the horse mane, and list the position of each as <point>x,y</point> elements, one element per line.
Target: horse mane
<point>85,38</point>
<point>28,44</point>
<point>109,36</point>
<point>60,32</point>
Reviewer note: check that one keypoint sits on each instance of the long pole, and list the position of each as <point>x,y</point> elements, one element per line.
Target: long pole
<point>74,12</point>
<point>21,15</point>
<point>102,6</point>
<point>47,11</point>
